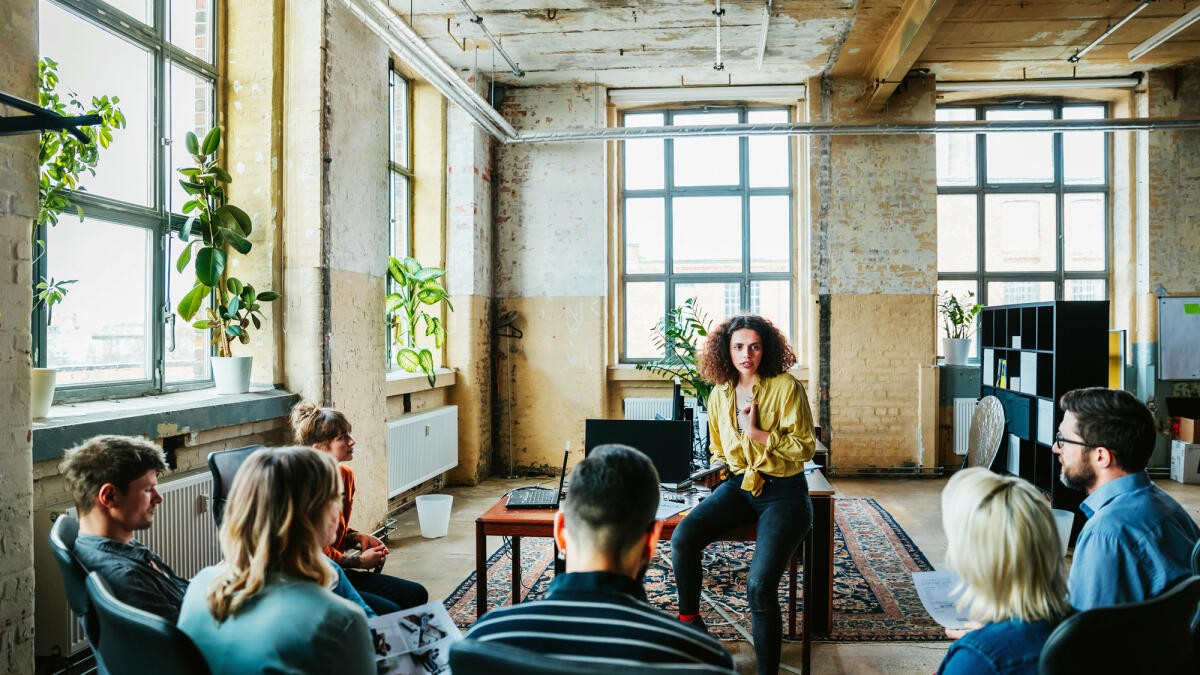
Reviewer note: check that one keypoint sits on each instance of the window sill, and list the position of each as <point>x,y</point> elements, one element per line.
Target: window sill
<point>154,416</point>
<point>400,382</point>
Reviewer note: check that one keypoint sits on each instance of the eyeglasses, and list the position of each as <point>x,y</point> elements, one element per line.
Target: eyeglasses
<point>1060,441</point>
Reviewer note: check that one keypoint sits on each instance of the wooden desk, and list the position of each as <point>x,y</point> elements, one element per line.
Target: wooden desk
<point>818,598</point>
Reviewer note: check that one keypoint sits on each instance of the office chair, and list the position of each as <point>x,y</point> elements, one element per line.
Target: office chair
<point>135,641</point>
<point>224,466</point>
<point>494,658</point>
<point>1196,558</point>
<point>62,546</point>
<point>1154,636</point>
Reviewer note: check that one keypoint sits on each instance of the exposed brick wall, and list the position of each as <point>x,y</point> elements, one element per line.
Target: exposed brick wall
<point>1174,183</point>
<point>18,204</point>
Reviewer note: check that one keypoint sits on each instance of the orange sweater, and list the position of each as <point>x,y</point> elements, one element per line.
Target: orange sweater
<point>345,536</point>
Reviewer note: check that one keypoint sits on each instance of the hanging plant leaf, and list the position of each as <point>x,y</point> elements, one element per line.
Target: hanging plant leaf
<point>426,358</point>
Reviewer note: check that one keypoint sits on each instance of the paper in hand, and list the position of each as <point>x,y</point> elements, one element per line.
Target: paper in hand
<point>936,590</point>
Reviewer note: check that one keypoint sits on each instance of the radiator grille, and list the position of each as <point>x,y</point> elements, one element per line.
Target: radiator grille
<point>964,408</point>
<point>647,408</point>
<point>421,446</point>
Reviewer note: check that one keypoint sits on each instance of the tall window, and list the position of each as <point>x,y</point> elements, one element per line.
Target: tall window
<point>1023,217</point>
<point>400,180</point>
<point>705,217</point>
<point>115,333</point>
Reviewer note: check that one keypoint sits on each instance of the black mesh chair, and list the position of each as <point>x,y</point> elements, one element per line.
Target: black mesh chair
<point>472,656</point>
<point>1156,636</point>
<point>135,641</point>
<point>224,466</point>
<point>62,546</point>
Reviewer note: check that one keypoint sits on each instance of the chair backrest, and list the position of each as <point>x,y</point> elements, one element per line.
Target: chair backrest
<point>134,641</point>
<point>1196,558</point>
<point>224,466</point>
<point>62,545</point>
<point>494,658</point>
<point>1154,636</point>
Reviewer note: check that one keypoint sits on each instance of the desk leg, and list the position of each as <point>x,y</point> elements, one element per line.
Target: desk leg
<point>516,571</point>
<point>821,572</point>
<point>481,586</point>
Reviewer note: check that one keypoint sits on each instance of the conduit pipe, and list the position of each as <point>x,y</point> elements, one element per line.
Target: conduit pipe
<point>762,36</point>
<point>478,21</point>
<point>1074,58</point>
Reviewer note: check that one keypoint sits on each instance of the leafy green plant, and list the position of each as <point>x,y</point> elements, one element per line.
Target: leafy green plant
<point>677,335</point>
<point>50,293</point>
<point>221,226</point>
<point>415,286</point>
<point>958,319</point>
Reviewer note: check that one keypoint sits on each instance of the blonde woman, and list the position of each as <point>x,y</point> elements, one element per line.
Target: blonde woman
<point>1003,543</point>
<point>268,607</point>
<point>328,430</point>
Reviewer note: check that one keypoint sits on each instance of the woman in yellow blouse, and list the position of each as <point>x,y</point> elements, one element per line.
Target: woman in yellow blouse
<point>762,430</point>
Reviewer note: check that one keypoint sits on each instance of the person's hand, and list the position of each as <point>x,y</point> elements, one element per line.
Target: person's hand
<point>750,415</point>
<point>369,542</point>
<point>374,557</point>
<point>955,633</point>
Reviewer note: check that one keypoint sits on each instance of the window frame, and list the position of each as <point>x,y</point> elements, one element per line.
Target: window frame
<point>156,218</point>
<point>1059,188</point>
<point>669,278</point>
<point>394,168</point>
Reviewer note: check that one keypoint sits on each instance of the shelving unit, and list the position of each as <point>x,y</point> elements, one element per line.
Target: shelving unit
<point>1043,350</point>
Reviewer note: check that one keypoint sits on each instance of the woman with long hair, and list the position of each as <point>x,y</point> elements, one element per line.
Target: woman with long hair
<point>328,430</point>
<point>267,607</point>
<point>761,430</point>
<point>1002,541</point>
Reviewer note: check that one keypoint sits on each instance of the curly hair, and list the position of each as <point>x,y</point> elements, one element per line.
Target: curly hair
<point>715,363</point>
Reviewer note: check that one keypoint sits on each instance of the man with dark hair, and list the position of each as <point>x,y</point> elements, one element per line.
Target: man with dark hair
<point>112,480</point>
<point>1137,542</point>
<point>598,611</point>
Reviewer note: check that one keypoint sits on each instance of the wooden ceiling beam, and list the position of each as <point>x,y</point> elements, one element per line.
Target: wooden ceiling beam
<point>905,41</point>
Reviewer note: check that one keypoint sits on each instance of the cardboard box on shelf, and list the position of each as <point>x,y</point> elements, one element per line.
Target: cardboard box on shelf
<point>1189,430</point>
<point>1187,409</point>
<point>1185,462</point>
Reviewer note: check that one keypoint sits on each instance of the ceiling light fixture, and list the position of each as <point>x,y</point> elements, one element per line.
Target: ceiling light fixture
<point>1111,29</point>
<point>478,21</point>
<point>1024,85</point>
<point>749,92</point>
<point>762,37</point>
<point>1165,34</point>
<point>718,64</point>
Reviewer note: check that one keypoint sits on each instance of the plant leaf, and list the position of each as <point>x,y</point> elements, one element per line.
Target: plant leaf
<point>192,145</point>
<point>234,330</point>
<point>233,285</point>
<point>393,302</point>
<point>212,140</point>
<point>238,242</point>
<point>428,274</point>
<point>426,358</point>
<point>201,325</point>
<point>210,265</point>
<point>268,296</point>
<point>185,256</point>
<point>191,302</point>
<point>239,217</point>
<point>185,232</point>
<point>234,305</point>
<point>408,359</point>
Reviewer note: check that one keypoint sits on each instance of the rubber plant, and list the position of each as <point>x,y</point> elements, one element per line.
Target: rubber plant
<point>215,227</point>
<point>415,287</point>
<point>677,336</point>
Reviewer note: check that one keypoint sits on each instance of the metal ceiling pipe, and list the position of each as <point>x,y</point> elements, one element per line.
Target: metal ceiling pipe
<point>478,21</point>
<point>787,129</point>
<point>383,21</point>
<point>1111,29</point>
<point>1059,83</point>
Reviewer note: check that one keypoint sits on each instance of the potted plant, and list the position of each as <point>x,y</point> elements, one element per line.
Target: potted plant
<point>677,336</point>
<point>958,321</point>
<point>415,285</point>
<point>62,159</point>
<point>214,227</point>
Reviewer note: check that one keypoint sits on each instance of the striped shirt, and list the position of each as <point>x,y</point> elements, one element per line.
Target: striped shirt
<point>603,617</point>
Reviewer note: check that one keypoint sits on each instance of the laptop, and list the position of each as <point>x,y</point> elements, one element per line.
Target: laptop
<point>540,498</point>
<point>668,443</point>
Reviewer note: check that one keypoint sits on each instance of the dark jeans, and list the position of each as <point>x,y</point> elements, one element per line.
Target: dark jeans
<point>783,514</point>
<point>386,594</point>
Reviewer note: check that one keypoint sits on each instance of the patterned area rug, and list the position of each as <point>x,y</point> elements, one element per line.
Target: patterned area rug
<point>873,594</point>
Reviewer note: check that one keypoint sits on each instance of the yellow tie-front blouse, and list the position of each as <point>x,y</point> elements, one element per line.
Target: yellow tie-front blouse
<point>782,412</point>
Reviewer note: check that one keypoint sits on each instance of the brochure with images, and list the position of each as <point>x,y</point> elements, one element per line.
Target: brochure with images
<point>414,641</point>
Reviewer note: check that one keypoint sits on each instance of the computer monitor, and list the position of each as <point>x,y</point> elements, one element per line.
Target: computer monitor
<point>668,443</point>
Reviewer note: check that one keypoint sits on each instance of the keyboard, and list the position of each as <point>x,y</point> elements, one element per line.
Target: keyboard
<point>533,498</point>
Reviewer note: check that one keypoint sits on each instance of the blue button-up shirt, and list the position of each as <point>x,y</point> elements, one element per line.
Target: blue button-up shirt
<point>1136,544</point>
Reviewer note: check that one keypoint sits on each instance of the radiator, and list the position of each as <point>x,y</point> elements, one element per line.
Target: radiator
<point>964,409</point>
<point>421,446</point>
<point>182,534</point>
<point>647,408</point>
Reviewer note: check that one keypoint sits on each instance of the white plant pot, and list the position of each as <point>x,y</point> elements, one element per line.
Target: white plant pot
<point>43,391</point>
<point>232,374</point>
<point>957,350</point>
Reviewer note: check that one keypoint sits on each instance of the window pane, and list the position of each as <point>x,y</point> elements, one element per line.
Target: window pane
<point>770,245</point>
<point>188,362</point>
<point>142,10</point>
<point>962,290</point>
<point>399,214</point>
<point>773,300</point>
<point>123,71</point>
<point>644,305</point>
<point>645,236</point>
<point>706,161</point>
<point>1085,289</point>
<point>98,335</point>
<point>958,233</point>
<point>1020,157</point>
<point>707,234</point>
<point>1083,151</point>
<point>644,158</point>
<point>399,120</point>
<point>1016,292</point>
<point>192,27</point>
<point>1021,232</point>
<point>1083,232</point>
<point>769,165</point>
<point>714,301</point>
<point>191,107</point>
<point>955,152</point>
